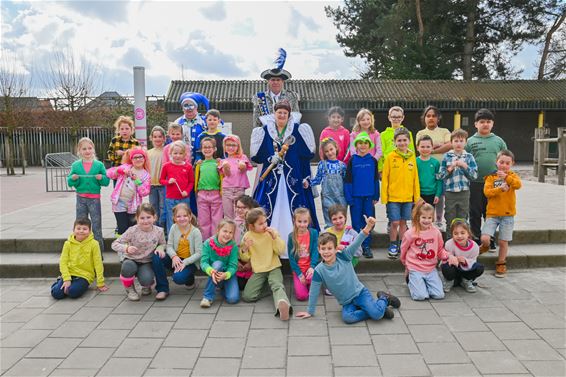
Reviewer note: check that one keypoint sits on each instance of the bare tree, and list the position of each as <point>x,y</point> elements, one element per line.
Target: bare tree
<point>553,55</point>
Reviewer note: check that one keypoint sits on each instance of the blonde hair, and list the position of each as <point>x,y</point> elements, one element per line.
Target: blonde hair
<point>225,222</point>
<point>326,142</point>
<point>295,237</point>
<point>185,207</point>
<point>177,144</point>
<point>82,141</point>
<point>418,211</point>
<point>396,108</point>
<point>360,115</point>
<point>174,126</point>
<point>123,119</point>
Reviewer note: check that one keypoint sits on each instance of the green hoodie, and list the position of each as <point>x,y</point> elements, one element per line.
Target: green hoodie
<point>82,259</point>
<point>388,145</point>
<point>485,150</point>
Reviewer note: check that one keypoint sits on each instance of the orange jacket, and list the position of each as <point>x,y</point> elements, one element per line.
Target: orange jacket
<point>499,202</point>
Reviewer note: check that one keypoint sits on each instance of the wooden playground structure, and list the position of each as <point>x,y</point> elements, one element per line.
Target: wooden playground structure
<point>541,161</point>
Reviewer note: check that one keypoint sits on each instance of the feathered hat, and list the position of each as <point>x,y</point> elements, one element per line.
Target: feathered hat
<point>196,98</point>
<point>278,70</point>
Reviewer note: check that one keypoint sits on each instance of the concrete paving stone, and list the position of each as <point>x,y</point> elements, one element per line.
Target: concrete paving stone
<point>266,358</point>
<point>138,347</point>
<point>546,368</point>
<point>5,307</point>
<point>65,306</point>
<point>334,319</point>
<point>353,356</point>
<point>174,300</point>
<point>124,367</point>
<point>168,314</point>
<point>542,321</point>
<point>46,321</point>
<point>18,296</point>
<point>346,335</point>
<point>496,315</point>
<point>308,346</point>
<point>74,330</point>
<point>451,308</point>
<point>151,330</point>
<point>10,356</point>
<point>531,350</point>
<point>483,301</point>
<point>91,314</point>
<point>73,372</point>
<point>185,338</point>
<point>400,291</point>
<point>420,317</point>
<point>331,305</point>
<point>309,366</point>
<point>54,348</point>
<point>525,306</point>
<point>33,367</point>
<point>87,358</point>
<point>106,301</point>
<point>467,323</point>
<point>262,372</point>
<point>176,358</point>
<point>394,344</point>
<point>479,341</point>
<point>262,306</point>
<point>556,338</point>
<point>403,365</point>
<point>267,321</point>
<point>128,307</point>
<point>310,327</point>
<point>431,333</point>
<point>391,326</point>
<point>453,370</point>
<point>267,338</point>
<point>229,347</point>
<point>550,298</point>
<point>234,313</point>
<point>229,329</point>
<point>303,307</point>
<point>443,353</point>
<point>157,372</point>
<point>494,362</point>
<point>558,309</point>
<point>37,302</point>
<point>216,367</point>
<point>408,304</point>
<point>20,315</point>
<point>512,330</point>
<point>356,371</point>
<point>8,328</point>
<point>25,338</point>
<point>194,321</point>
<point>105,338</point>
<point>120,322</point>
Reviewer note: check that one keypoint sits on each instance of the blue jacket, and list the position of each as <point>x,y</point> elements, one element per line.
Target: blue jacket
<point>362,178</point>
<point>313,249</point>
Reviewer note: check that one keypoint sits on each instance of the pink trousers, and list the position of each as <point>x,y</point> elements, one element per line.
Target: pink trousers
<point>301,291</point>
<point>229,196</point>
<point>209,205</point>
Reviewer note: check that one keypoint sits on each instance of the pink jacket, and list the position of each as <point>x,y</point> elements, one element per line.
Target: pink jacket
<point>421,252</point>
<point>342,138</point>
<point>237,178</point>
<point>141,190</point>
<point>375,151</point>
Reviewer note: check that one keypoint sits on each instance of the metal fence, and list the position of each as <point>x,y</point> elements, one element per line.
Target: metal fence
<point>40,141</point>
<point>57,168</point>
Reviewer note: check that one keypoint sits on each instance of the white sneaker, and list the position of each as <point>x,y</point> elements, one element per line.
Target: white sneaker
<point>132,293</point>
<point>205,303</point>
<point>446,284</point>
<point>146,291</point>
<point>468,285</point>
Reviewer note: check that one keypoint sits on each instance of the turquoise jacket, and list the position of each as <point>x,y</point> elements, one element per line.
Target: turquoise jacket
<point>88,185</point>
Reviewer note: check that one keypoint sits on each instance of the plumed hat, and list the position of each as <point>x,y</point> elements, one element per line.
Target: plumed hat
<point>195,98</point>
<point>278,70</point>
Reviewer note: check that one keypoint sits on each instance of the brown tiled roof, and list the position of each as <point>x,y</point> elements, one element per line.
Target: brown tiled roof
<point>235,95</point>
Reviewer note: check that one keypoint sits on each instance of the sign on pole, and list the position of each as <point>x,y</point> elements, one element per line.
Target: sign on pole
<point>139,105</point>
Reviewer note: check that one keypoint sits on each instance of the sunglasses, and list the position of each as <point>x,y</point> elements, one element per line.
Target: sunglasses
<point>189,106</point>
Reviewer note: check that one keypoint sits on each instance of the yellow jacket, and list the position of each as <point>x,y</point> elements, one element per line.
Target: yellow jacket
<point>264,252</point>
<point>499,202</point>
<point>400,178</point>
<point>82,259</point>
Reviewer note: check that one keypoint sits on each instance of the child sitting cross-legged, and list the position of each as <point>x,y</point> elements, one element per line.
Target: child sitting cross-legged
<point>337,274</point>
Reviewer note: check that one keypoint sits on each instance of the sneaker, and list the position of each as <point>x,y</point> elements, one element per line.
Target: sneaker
<point>500,269</point>
<point>283,309</point>
<point>483,248</point>
<point>327,292</point>
<point>389,313</point>
<point>446,284</point>
<point>146,291</point>
<point>132,293</point>
<point>468,285</point>
<point>367,253</point>
<point>391,300</point>
<point>205,303</point>
<point>160,296</point>
<point>190,286</point>
<point>393,251</point>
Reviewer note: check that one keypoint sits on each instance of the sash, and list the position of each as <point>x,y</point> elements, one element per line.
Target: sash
<point>263,107</point>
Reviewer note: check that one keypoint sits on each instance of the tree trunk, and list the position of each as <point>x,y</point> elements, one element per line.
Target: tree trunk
<point>9,155</point>
<point>547,40</point>
<point>421,25</point>
<point>470,40</point>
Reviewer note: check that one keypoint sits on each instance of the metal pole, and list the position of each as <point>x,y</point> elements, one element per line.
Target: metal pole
<point>139,105</point>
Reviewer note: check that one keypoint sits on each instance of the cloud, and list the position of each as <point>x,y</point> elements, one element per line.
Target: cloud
<point>203,57</point>
<point>214,12</point>
<point>107,11</point>
<point>134,57</point>
<point>298,20</point>
<point>244,28</point>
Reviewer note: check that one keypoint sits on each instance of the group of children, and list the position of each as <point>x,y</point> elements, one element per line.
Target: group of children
<point>232,242</point>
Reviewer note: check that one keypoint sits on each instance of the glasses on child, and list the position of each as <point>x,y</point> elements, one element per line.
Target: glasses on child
<point>138,157</point>
<point>396,116</point>
<point>189,106</point>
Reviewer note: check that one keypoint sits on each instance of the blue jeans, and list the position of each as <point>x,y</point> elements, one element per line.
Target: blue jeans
<point>91,207</point>
<point>157,201</point>
<point>230,286</point>
<point>160,267</point>
<point>169,205</point>
<point>364,306</point>
<point>78,287</point>
<point>423,285</point>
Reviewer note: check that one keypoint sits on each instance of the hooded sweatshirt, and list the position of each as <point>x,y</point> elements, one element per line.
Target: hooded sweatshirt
<point>400,178</point>
<point>82,259</point>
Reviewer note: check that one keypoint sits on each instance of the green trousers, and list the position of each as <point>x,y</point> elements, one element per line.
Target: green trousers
<point>255,287</point>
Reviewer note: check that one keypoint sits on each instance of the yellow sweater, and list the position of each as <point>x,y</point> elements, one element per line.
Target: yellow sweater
<point>265,251</point>
<point>82,259</point>
<point>400,178</point>
<point>499,202</point>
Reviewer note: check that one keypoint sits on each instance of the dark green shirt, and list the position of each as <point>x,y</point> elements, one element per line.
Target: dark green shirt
<point>485,150</point>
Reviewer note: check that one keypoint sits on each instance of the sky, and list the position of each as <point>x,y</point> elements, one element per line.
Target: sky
<point>174,40</point>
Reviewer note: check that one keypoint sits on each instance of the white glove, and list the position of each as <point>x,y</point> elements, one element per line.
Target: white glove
<point>275,159</point>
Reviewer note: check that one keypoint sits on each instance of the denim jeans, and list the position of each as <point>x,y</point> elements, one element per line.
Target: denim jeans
<point>229,287</point>
<point>364,306</point>
<point>169,205</point>
<point>160,267</point>
<point>157,201</point>
<point>91,207</point>
<point>423,285</point>
<point>78,287</point>
<point>143,271</point>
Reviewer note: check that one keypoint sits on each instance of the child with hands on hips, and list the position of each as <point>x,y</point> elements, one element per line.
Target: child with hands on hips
<point>421,249</point>
<point>220,262</point>
<point>136,247</point>
<point>133,183</point>
<point>234,169</point>
<point>303,252</point>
